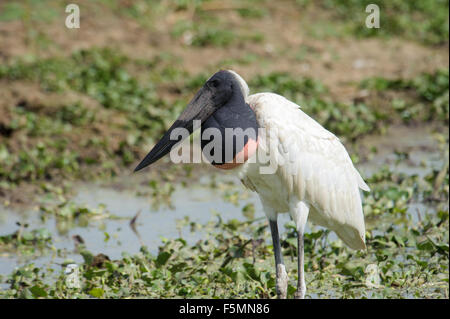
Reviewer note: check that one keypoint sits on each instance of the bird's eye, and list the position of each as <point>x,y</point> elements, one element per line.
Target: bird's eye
<point>214,83</point>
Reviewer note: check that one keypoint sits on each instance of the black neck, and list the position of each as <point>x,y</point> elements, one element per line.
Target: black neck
<point>234,114</point>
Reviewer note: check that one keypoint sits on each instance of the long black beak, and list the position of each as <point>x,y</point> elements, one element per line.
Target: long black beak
<point>200,108</point>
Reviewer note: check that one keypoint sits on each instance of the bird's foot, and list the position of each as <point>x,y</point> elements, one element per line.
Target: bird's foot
<point>300,293</point>
<point>282,282</point>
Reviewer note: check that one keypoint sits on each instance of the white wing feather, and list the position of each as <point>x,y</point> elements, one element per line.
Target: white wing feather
<point>313,165</point>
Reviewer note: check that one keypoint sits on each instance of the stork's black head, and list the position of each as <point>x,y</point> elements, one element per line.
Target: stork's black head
<point>221,87</point>
<point>224,89</point>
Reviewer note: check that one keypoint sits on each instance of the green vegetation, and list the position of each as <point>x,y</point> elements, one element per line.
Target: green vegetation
<point>63,138</point>
<point>425,21</point>
<point>69,114</point>
<point>427,100</point>
<point>23,239</point>
<point>235,260</point>
<point>204,35</point>
<point>28,11</point>
<point>428,96</point>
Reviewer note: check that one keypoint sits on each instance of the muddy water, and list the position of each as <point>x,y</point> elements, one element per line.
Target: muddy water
<point>112,236</point>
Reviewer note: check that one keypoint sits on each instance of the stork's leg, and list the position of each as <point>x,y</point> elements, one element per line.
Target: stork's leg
<point>301,286</point>
<point>280,269</point>
<point>299,213</point>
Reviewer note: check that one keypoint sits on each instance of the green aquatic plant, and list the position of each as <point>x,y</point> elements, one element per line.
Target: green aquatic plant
<point>406,256</point>
<point>427,95</point>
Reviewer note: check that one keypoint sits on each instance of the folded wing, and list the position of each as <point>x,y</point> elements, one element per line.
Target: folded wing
<point>313,165</point>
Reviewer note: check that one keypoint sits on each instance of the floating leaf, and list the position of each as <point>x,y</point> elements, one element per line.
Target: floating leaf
<point>162,258</point>
<point>38,292</point>
<point>96,292</point>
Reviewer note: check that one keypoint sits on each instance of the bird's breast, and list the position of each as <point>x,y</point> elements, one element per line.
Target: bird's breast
<point>247,151</point>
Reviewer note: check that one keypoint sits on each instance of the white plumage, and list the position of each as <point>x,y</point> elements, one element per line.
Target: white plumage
<point>313,168</point>
<point>312,176</point>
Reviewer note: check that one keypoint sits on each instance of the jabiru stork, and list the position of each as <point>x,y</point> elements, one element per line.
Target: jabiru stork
<point>314,177</point>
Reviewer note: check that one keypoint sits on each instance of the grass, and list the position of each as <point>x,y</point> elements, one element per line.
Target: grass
<point>29,11</point>
<point>423,21</point>
<point>212,35</point>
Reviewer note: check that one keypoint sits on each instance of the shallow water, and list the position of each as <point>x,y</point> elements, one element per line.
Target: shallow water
<point>198,201</point>
<point>420,145</point>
